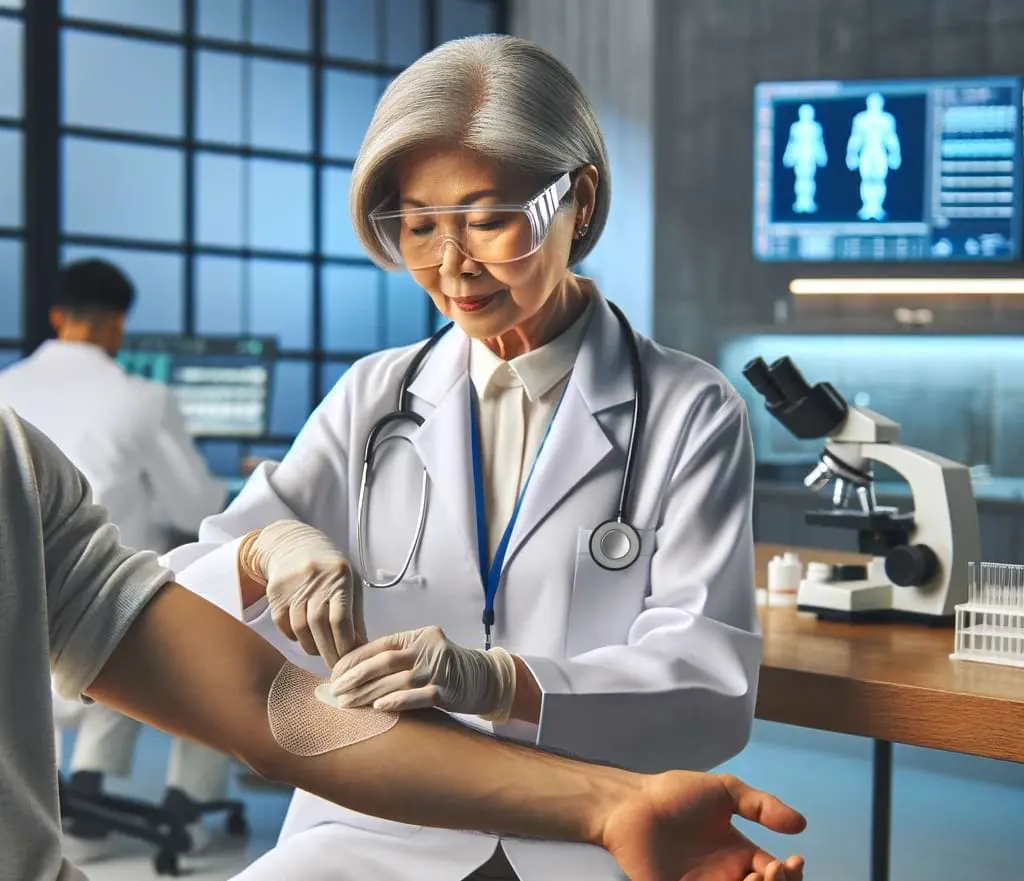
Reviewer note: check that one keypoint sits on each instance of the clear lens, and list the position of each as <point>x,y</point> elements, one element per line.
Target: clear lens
<point>417,238</point>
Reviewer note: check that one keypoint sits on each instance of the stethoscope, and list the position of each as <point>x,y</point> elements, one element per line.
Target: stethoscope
<point>614,544</point>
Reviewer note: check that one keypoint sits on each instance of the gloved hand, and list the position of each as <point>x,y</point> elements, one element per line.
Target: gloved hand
<point>310,588</point>
<point>423,668</point>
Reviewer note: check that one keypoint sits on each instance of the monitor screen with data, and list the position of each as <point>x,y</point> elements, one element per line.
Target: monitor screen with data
<point>222,385</point>
<point>888,170</point>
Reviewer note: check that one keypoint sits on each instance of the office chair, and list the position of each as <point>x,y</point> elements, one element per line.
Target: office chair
<point>165,825</point>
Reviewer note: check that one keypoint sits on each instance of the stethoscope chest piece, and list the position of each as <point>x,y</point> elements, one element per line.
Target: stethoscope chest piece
<point>614,545</point>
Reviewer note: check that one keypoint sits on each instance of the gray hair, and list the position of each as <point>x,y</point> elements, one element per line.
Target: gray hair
<point>503,97</point>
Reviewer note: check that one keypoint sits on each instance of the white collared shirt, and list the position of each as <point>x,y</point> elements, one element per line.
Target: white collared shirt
<point>517,399</point>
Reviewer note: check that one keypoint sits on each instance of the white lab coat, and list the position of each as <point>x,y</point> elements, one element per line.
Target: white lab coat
<point>125,434</point>
<point>654,667</point>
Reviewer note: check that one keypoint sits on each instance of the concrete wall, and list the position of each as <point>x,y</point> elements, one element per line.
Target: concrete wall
<point>608,45</point>
<point>709,54</point>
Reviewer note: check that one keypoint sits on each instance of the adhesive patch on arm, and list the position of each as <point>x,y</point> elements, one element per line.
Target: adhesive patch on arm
<point>304,726</point>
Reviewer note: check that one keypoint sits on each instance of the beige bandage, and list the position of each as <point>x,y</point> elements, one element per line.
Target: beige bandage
<point>304,726</point>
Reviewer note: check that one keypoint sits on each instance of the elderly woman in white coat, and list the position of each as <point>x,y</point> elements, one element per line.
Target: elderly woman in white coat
<point>484,174</point>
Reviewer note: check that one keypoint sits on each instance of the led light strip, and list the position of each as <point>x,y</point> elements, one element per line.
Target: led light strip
<point>818,287</point>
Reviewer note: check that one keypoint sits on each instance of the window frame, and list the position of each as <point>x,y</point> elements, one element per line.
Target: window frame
<point>44,132</point>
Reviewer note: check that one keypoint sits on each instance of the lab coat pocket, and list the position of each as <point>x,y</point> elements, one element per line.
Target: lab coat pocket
<point>392,609</point>
<point>605,603</point>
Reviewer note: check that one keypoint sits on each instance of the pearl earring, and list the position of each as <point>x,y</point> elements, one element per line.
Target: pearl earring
<point>582,231</point>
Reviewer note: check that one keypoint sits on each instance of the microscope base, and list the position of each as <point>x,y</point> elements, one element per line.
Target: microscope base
<point>878,616</point>
<point>860,601</point>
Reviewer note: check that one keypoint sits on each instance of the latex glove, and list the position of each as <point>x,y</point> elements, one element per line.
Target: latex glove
<point>423,668</point>
<point>312,595</point>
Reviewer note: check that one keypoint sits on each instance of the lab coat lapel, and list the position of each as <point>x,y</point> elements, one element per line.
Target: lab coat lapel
<point>577,442</point>
<point>443,441</point>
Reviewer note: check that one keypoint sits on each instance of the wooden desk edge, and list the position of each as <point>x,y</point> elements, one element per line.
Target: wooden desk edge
<point>915,715</point>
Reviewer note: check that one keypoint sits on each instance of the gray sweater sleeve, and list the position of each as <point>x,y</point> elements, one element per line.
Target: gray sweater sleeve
<point>95,587</point>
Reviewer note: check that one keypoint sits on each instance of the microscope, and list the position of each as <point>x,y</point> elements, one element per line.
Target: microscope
<point>918,570</point>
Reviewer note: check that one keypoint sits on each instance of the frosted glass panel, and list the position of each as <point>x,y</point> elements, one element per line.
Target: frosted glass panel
<point>408,310</point>
<point>219,296</point>
<point>280,109</point>
<point>10,289</point>
<point>463,18</point>
<point>164,15</point>
<point>219,198</point>
<point>221,19</point>
<point>351,309</point>
<point>406,36</point>
<point>292,397</point>
<point>11,65</point>
<point>339,236</point>
<point>219,97</point>
<point>352,30</point>
<point>349,102</point>
<point>11,201</point>
<point>280,302</point>
<point>122,190</point>
<point>281,206</point>
<point>330,374</point>
<point>159,285</point>
<point>122,84</point>
<point>283,24</point>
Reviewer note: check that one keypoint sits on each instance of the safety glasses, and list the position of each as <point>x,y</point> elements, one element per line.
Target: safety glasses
<point>416,238</point>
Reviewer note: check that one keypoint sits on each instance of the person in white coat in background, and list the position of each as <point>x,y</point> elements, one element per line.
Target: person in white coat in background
<point>535,590</point>
<point>128,437</point>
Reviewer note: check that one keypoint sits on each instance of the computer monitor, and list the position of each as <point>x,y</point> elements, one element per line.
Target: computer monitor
<point>222,384</point>
<point>925,170</point>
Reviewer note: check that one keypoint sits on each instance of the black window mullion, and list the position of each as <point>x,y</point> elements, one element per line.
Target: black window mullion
<point>189,130</point>
<point>42,167</point>
<point>432,41</point>
<point>318,18</point>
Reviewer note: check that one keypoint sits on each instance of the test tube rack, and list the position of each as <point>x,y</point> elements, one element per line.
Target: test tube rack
<point>990,625</point>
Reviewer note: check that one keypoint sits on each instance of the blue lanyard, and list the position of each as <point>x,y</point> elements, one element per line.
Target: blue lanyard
<point>491,575</point>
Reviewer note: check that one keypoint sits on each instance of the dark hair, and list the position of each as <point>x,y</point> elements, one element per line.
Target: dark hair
<point>90,287</point>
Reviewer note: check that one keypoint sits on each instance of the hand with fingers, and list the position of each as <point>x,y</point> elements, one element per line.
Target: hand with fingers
<point>313,597</point>
<point>422,668</point>
<point>679,827</point>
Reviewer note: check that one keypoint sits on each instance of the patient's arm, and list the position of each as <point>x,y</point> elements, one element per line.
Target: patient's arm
<point>189,668</point>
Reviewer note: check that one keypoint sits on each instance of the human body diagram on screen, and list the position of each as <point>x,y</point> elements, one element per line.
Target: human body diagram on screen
<point>805,154</point>
<point>872,150</point>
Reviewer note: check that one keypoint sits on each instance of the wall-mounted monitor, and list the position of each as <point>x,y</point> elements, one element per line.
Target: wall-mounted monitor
<point>889,170</point>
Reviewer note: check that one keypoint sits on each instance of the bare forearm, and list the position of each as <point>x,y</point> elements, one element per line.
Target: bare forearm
<point>188,668</point>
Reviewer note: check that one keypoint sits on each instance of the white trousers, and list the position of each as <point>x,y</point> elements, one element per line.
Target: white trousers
<point>105,743</point>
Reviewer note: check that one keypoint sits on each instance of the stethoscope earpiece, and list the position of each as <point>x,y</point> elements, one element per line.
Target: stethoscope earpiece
<point>614,545</point>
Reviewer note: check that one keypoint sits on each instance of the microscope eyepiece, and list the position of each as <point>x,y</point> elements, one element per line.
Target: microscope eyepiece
<point>789,380</point>
<point>807,411</point>
<point>759,376</point>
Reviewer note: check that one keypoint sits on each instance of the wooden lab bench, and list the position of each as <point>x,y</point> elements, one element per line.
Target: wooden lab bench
<point>894,683</point>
